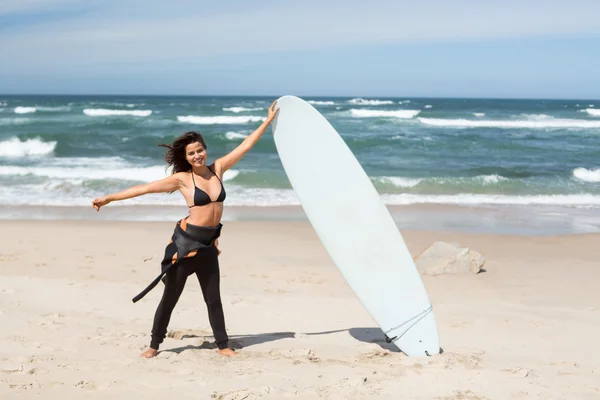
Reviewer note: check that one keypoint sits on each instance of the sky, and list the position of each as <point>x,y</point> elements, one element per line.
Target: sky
<point>426,48</point>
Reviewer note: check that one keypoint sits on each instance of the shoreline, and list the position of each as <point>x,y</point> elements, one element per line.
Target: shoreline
<point>488,219</point>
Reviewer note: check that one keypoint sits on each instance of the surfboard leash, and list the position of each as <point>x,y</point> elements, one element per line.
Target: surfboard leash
<point>416,320</point>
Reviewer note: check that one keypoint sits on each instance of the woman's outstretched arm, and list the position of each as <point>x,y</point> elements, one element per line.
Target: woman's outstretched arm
<point>168,184</point>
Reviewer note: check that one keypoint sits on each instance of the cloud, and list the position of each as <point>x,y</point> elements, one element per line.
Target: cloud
<point>27,6</point>
<point>130,33</point>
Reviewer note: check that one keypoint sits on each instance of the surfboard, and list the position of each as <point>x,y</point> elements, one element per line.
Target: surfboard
<point>354,225</point>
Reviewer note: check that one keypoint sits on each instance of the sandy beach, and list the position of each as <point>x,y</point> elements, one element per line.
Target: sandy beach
<point>525,328</point>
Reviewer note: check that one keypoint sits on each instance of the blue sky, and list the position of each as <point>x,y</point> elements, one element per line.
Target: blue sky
<point>461,48</point>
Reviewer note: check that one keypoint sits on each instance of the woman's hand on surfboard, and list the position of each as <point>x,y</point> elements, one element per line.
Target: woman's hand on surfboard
<point>99,202</point>
<point>272,113</point>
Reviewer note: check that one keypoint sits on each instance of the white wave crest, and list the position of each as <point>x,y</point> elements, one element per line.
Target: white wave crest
<point>241,109</point>
<point>235,136</point>
<point>402,182</point>
<point>360,113</point>
<point>30,147</point>
<point>366,102</point>
<point>3,104</point>
<point>542,123</point>
<point>491,179</point>
<point>230,174</point>
<point>103,112</point>
<point>479,114</point>
<point>219,120</point>
<point>576,200</point>
<point>110,171</point>
<point>592,111</point>
<point>536,117</point>
<point>136,174</point>
<point>321,103</point>
<point>587,175</point>
<point>68,193</point>
<point>428,106</point>
<point>398,181</point>
<point>25,110</point>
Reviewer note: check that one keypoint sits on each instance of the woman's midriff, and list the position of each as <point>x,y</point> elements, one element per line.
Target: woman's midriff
<point>207,215</point>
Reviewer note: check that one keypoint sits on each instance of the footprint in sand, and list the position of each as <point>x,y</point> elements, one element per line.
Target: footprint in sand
<point>86,385</point>
<point>8,257</point>
<point>25,386</point>
<point>376,355</point>
<point>449,360</point>
<point>237,395</point>
<point>11,369</point>
<point>38,371</point>
<point>520,372</point>
<point>297,355</point>
<point>129,335</point>
<point>18,339</point>
<point>188,334</point>
<point>51,325</point>
<point>566,367</point>
<point>463,395</point>
<point>246,394</point>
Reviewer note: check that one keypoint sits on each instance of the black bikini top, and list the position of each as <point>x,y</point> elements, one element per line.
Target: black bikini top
<point>201,198</point>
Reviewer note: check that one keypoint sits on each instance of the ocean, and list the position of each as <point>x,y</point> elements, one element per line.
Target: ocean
<point>529,166</point>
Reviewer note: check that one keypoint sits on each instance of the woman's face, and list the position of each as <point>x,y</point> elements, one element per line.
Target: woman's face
<point>195,154</point>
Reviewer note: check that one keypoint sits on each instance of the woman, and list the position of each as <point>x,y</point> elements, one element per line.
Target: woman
<point>193,247</point>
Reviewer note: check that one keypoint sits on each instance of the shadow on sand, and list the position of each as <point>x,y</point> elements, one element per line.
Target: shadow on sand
<point>366,335</point>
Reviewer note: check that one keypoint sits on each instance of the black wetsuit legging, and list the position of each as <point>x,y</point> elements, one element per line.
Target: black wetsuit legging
<point>205,264</point>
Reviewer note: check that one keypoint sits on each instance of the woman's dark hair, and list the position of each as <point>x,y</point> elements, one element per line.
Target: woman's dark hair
<point>176,154</point>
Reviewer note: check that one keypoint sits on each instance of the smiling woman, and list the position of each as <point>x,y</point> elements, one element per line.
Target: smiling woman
<point>193,247</point>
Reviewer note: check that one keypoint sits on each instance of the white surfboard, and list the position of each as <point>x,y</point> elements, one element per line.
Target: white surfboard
<point>354,226</point>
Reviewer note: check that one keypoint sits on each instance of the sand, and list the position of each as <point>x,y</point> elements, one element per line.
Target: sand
<point>526,328</point>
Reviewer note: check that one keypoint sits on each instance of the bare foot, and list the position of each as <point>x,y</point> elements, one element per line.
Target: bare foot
<point>227,352</point>
<point>149,353</point>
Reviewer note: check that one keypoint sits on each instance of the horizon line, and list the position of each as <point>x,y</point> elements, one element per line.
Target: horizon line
<point>308,96</point>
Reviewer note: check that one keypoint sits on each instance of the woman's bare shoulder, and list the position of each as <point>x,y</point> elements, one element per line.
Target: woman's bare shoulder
<point>217,169</point>
<point>183,177</point>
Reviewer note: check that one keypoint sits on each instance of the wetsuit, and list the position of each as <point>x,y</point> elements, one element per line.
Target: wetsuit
<point>191,250</point>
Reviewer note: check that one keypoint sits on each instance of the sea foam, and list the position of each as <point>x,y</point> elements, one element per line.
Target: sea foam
<point>25,110</point>
<point>219,120</point>
<point>361,113</point>
<point>241,109</point>
<point>530,123</point>
<point>103,112</point>
<point>366,102</point>
<point>587,175</point>
<point>592,111</point>
<point>31,147</point>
